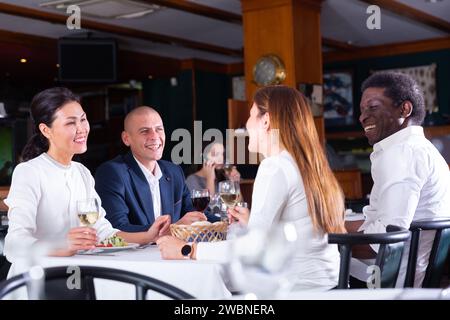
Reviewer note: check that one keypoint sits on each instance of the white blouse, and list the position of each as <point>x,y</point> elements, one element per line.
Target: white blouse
<point>42,203</point>
<point>279,196</point>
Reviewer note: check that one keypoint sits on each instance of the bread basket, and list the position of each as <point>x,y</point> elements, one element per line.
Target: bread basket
<point>216,231</point>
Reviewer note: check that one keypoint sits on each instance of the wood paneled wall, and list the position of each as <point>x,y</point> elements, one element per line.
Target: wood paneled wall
<point>3,194</point>
<point>291,30</point>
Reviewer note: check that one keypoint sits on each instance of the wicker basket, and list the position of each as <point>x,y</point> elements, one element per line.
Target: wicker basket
<point>216,231</point>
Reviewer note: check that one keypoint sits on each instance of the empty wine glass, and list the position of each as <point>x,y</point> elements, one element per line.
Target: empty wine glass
<point>200,199</point>
<point>88,211</point>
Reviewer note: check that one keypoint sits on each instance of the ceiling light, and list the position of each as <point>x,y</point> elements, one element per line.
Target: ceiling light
<point>135,14</point>
<point>107,9</point>
<point>23,60</point>
<point>52,3</point>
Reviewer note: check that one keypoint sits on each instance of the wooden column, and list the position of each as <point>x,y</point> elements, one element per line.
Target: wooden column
<point>3,194</point>
<point>291,30</point>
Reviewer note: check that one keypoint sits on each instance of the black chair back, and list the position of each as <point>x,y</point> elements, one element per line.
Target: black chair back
<point>389,255</point>
<point>60,275</point>
<point>438,254</point>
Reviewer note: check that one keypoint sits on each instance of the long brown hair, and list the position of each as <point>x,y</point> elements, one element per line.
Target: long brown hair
<point>291,115</point>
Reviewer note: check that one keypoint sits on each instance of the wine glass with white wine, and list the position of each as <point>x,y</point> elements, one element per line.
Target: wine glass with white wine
<point>229,192</point>
<point>88,211</point>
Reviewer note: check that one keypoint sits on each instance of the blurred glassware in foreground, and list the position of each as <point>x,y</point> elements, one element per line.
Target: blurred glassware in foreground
<point>236,229</point>
<point>260,260</point>
<point>242,204</point>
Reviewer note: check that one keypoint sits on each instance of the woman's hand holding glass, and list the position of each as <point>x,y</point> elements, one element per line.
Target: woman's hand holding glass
<point>84,237</point>
<point>240,214</point>
<point>81,238</point>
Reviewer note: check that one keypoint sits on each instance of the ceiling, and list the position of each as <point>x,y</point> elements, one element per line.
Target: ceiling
<point>345,20</point>
<point>341,20</point>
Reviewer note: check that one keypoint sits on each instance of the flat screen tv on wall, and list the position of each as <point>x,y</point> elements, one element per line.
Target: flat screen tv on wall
<point>87,60</point>
<point>6,154</point>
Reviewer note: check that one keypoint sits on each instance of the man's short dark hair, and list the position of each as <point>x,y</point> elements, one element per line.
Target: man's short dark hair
<point>399,88</point>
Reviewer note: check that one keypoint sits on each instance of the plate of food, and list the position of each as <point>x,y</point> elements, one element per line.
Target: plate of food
<point>111,244</point>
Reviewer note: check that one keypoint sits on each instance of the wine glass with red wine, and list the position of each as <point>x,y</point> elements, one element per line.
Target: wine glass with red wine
<point>200,199</point>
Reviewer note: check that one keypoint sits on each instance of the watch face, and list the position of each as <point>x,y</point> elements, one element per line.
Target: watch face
<point>186,250</point>
<point>265,71</point>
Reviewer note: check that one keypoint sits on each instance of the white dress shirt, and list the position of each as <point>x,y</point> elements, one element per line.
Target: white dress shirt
<point>279,196</point>
<point>42,204</point>
<point>411,182</point>
<point>153,182</point>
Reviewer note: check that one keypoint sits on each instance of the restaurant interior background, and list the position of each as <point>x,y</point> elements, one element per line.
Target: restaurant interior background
<point>194,60</point>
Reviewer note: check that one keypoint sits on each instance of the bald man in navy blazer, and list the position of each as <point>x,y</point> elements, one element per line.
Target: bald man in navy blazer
<point>137,187</point>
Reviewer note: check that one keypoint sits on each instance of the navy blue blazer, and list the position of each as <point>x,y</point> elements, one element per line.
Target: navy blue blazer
<point>126,195</point>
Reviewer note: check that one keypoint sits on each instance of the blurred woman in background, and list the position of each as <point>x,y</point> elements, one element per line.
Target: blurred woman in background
<point>213,170</point>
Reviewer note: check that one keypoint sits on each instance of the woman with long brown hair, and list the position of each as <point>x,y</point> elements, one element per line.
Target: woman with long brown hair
<point>294,184</point>
<point>282,109</point>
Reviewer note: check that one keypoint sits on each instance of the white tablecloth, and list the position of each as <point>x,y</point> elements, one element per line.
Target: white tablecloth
<point>201,279</point>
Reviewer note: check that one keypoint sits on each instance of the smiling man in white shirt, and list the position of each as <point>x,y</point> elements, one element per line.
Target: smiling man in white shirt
<point>411,178</point>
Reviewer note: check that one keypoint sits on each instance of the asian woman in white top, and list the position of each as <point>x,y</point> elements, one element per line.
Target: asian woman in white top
<point>294,184</point>
<point>47,185</point>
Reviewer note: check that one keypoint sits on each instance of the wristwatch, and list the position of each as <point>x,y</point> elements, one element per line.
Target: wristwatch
<point>186,251</point>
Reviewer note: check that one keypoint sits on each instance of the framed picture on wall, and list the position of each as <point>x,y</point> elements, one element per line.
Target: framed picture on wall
<point>338,97</point>
<point>425,77</point>
<point>314,94</point>
<point>238,84</point>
